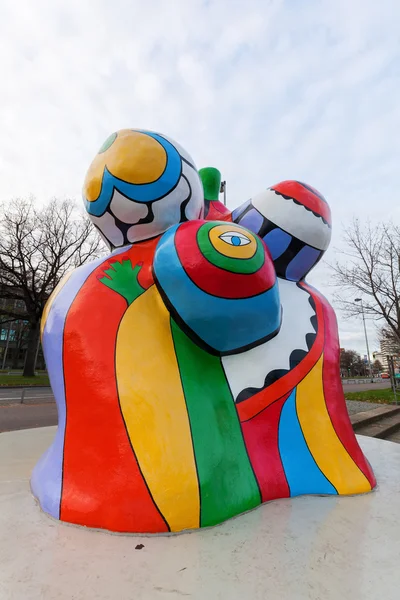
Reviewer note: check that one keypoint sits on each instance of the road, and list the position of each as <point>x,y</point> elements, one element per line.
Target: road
<point>363,387</point>
<point>25,416</point>
<point>39,409</point>
<point>31,395</point>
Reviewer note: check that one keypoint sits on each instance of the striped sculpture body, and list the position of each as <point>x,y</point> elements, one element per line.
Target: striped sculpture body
<point>196,373</point>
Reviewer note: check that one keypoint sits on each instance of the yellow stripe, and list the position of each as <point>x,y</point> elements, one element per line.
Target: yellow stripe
<point>326,448</point>
<point>154,409</point>
<point>134,157</point>
<point>50,301</point>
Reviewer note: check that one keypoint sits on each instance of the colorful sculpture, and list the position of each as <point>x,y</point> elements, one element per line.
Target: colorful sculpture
<point>196,373</point>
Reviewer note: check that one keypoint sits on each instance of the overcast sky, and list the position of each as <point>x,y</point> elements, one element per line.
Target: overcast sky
<point>265,90</point>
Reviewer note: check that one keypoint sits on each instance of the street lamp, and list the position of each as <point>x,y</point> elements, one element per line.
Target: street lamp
<point>366,337</point>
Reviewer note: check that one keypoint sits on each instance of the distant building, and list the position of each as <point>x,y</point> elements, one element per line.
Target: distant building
<point>388,349</point>
<point>382,359</point>
<point>13,338</point>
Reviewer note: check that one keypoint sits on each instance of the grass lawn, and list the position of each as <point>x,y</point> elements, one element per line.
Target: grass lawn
<point>20,370</point>
<point>385,396</point>
<point>8,380</point>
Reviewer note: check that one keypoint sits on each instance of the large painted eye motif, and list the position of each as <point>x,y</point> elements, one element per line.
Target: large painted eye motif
<point>229,247</point>
<point>219,283</point>
<point>235,239</point>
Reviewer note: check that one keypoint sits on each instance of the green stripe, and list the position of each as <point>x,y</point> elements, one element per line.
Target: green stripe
<point>235,265</point>
<point>226,479</point>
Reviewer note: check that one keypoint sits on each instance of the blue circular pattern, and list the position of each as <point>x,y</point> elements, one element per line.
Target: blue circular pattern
<point>143,192</point>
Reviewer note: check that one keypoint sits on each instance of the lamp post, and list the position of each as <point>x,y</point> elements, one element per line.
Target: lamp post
<point>366,337</point>
<point>223,190</point>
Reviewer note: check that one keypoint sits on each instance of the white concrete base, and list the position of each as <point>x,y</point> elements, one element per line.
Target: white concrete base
<point>308,547</point>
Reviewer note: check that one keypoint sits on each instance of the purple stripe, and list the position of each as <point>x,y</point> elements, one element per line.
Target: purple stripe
<point>253,220</point>
<point>302,263</point>
<point>46,481</point>
<point>240,210</point>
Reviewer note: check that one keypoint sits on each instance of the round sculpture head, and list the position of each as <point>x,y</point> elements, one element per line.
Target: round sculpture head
<point>138,185</point>
<point>227,271</point>
<point>303,224</point>
<point>294,220</point>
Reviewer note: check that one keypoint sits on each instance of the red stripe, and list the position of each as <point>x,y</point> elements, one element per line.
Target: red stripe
<point>295,190</point>
<point>333,390</point>
<point>261,439</point>
<point>102,484</point>
<point>218,212</point>
<point>147,250</point>
<point>213,280</point>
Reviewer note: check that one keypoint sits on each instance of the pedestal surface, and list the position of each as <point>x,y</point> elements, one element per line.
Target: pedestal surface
<point>309,547</point>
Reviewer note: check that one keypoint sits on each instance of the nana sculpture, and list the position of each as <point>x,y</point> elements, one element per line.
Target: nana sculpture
<point>196,373</point>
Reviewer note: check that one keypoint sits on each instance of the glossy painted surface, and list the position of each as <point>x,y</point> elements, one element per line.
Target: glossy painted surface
<point>196,372</point>
<point>154,410</point>
<point>214,210</point>
<point>47,476</point>
<point>139,184</point>
<point>294,220</point>
<point>198,264</point>
<point>303,548</point>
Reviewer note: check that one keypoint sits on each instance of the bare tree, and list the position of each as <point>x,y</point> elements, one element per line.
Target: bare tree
<point>351,363</point>
<point>370,267</point>
<point>37,247</point>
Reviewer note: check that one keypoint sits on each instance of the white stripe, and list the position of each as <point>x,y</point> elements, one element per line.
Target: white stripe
<point>249,369</point>
<point>293,218</point>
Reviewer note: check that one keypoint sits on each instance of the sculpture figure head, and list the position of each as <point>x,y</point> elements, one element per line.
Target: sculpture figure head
<point>139,184</point>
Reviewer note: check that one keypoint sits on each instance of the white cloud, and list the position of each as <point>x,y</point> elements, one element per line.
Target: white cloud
<point>264,90</point>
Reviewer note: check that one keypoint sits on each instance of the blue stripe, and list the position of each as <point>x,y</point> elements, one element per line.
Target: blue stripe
<point>145,192</point>
<point>302,472</point>
<point>224,324</point>
<point>302,263</point>
<point>277,242</point>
